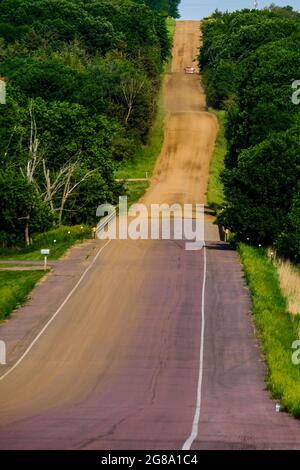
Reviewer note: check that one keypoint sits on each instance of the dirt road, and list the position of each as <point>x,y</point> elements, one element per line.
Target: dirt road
<point>149,328</point>
<point>181,173</point>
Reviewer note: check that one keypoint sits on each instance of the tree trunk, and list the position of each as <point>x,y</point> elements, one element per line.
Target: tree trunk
<point>128,114</point>
<point>27,237</point>
<point>61,210</point>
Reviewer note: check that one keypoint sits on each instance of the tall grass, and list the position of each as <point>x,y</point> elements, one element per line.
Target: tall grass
<point>289,278</point>
<point>277,329</point>
<point>215,194</point>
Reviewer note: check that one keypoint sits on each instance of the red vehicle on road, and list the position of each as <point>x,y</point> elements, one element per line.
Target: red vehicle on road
<point>189,70</point>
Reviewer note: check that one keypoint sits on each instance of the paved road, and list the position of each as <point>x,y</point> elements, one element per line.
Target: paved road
<point>155,347</point>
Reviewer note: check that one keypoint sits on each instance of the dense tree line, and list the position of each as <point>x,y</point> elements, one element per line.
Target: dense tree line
<point>168,7</point>
<point>250,61</point>
<point>82,79</point>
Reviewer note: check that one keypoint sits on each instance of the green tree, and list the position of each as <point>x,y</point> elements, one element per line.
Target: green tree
<point>260,189</point>
<point>21,209</point>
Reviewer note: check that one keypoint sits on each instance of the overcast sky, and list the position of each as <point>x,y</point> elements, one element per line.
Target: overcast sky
<point>196,9</point>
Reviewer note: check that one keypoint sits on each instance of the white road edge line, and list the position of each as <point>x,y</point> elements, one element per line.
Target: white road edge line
<point>55,314</point>
<point>195,427</point>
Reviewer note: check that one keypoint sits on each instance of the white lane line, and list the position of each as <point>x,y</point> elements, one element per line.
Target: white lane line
<point>195,427</point>
<point>55,314</point>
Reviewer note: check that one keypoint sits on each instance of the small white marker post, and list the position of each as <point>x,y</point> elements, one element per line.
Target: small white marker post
<point>278,407</point>
<point>45,252</point>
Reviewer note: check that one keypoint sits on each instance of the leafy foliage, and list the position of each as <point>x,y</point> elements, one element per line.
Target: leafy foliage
<point>250,60</point>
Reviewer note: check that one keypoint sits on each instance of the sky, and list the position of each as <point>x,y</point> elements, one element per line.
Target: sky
<point>197,9</point>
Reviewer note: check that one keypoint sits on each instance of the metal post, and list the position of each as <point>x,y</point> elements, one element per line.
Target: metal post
<point>2,353</point>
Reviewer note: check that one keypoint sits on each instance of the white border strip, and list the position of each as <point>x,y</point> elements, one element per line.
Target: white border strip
<point>55,314</point>
<point>195,427</point>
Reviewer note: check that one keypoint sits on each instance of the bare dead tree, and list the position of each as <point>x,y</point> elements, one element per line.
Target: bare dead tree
<point>57,185</point>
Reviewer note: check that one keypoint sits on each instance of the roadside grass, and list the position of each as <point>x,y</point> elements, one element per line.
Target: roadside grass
<point>6,265</point>
<point>277,329</point>
<point>142,165</point>
<point>215,193</point>
<point>289,277</point>
<point>14,289</point>
<point>65,237</point>
<point>171,24</point>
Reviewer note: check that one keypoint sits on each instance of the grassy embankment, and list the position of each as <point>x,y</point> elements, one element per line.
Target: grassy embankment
<point>215,195</point>
<point>275,292</point>
<point>143,164</point>
<point>15,286</point>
